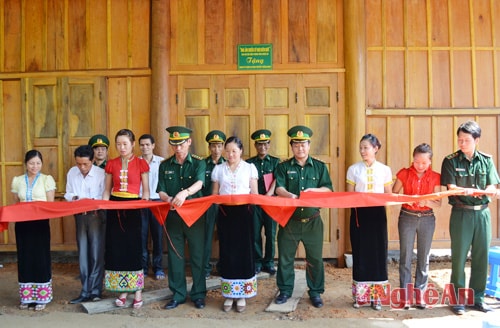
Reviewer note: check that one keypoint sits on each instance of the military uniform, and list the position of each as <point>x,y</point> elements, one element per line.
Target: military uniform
<point>305,223</point>
<point>214,136</point>
<point>99,140</point>
<point>470,221</point>
<point>174,177</point>
<point>266,165</point>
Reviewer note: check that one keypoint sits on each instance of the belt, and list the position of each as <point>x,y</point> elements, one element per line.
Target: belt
<point>417,213</point>
<point>471,207</point>
<point>305,220</point>
<point>88,213</point>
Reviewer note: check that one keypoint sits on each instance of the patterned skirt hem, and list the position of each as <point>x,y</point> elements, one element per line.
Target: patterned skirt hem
<point>239,288</point>
<point>366,292</point>
<point>35,292</point>
<point>123,281</point>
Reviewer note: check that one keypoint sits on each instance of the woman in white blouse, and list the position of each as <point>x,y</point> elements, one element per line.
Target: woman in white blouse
<point>368,226</point>
<point>235,226</point>
<point>33,237</point>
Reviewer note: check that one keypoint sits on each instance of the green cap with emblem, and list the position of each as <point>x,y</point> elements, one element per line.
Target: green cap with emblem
<point>300,133</point>
<point>261,136</point>
<point>215,136</point>
<point>99,140</point>
<point>178,134</point>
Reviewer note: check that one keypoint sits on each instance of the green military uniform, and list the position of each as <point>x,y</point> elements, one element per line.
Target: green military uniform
<point>470,221</point>
<point>214,136</point>
<point>99,140</point>
<point>264,166</point>
<point>172,178</point>
<point>305,223</point>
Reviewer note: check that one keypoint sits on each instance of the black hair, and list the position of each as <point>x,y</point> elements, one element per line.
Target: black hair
<point>147,136</point>
<point>470,127</point>
<point>126,132</point>
<point>85,151</point>
<point>372,139</point>
<point>423,148</point>
<point>31,154</point>
<point>236,140</point>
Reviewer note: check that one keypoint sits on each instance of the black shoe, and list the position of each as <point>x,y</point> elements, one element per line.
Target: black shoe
<point>421,306</point>
<point>316,301</point>
<point>258,270</point>
<point>281,299</point>
<point>95,298</point>
<point>199,303</point>
<point>483,307</point>
<point>173,304</point>
<point>458,309</point>
<point>270,270</point>
<point>79,299</point>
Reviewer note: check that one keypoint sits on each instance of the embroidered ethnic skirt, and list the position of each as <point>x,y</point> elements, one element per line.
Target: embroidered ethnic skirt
<point>123,253</point>
<point>34,261</point>
<point>369,254</point>
<point>236,251</point>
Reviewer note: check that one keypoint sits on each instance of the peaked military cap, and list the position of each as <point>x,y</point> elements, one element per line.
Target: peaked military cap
<point>99,140</point>
<point>261,136</point>
<point>300,133</point>
<point>178,134</point>
<point>215,136</point>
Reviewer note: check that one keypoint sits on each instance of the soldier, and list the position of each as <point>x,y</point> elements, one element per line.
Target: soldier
<point>181,177</point>
<point>470,170</point>
<point>100,144</point>
<point>215,141</point>
<point>266,164</point>
<point>301,173</point>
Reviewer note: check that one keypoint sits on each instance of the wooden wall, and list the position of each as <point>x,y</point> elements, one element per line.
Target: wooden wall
<point>432,65</point>
<point>305,35</point>
<point>43,40</point>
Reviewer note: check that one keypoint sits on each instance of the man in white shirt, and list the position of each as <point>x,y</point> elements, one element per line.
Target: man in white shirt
<point>149,222</point>
<point>85,180</point>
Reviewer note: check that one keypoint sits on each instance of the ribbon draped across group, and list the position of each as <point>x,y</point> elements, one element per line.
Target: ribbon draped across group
<point>279,208</point>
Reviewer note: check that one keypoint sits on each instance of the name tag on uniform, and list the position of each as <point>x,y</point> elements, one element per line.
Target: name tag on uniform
<point>459,169</point>
<point>291,172</point>
<point>169,172</point>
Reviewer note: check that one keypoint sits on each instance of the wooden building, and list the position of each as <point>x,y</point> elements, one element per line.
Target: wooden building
<point>407,71</point>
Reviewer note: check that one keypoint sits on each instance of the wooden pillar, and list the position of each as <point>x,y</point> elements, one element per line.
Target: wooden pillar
<point>160,63</point>
<point>355,83</point>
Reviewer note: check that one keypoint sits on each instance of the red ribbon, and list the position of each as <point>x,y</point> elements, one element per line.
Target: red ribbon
<point>279,208</point>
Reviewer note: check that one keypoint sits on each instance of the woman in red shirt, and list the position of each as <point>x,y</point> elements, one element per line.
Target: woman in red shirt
<point>417,219</point>
<point>123,255</point>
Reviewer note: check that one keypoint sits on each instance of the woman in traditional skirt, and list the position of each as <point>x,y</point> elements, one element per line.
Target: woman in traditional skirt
<point>33,237</point>
<point>369,226</point>
<point>235,227</point>
<point>123,255</point>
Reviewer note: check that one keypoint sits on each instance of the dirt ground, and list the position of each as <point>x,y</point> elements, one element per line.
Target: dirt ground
<point>337,299</point>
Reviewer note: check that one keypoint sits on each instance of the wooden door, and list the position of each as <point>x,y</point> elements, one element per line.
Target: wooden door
<point>311,99</point>
<point>62,114</point>
<point>240,104</point>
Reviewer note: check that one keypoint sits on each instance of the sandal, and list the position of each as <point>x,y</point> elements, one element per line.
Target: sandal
<point>23,306</point>
<point>39,307</point>
<point>120,302</point>
<point>137,304</point>
<point>241,305</point>
<point>159,275</point>
<point>228,304</point>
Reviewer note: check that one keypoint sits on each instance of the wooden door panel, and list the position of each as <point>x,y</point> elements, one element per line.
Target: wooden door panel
<point>62,114</point>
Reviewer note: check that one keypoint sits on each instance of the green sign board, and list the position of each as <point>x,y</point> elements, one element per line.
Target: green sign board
<point>255,56</point>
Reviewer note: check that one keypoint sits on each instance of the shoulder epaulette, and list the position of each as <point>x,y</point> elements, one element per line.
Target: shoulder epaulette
<point>484,154</point>
<point>197,157</point>
<point>453,155</point>
<point>317,159</point>
<point>286,160</point>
